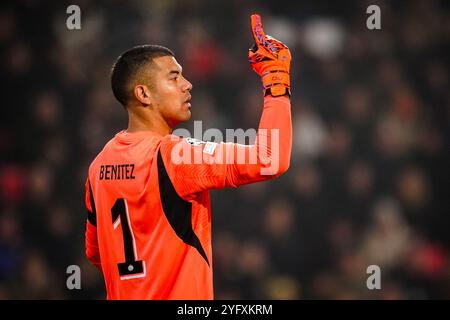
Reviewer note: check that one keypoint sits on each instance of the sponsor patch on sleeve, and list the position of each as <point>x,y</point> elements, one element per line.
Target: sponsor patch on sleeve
<point>195,142</point>
<point>210,147</point>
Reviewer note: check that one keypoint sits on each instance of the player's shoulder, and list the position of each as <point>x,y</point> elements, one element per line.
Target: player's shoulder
<point>113,150</point>
<point>105,152</point>
<point>170,138</point>
<point>183,148</point>
<point>99,157</point>
<point>174,139</point>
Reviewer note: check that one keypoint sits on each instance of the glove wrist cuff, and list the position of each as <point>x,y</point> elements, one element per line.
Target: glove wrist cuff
<point>276,83</point>
<point>275,77</point>
<point>278,90</point>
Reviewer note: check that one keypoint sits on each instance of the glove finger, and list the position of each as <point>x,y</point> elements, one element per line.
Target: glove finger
<point>257,30</point>
<point>271,39</point>
<point>274,44</point>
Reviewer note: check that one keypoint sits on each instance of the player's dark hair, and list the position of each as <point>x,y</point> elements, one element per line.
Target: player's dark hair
<point>128,64</point>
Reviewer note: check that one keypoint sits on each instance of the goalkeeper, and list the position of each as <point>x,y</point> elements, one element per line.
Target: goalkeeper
<point>149,216</point>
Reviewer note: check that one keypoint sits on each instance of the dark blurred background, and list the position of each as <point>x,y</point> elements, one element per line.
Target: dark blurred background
<point>369,175</point>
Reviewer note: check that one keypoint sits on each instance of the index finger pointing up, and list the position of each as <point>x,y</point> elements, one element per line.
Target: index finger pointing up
<point>257,29</point>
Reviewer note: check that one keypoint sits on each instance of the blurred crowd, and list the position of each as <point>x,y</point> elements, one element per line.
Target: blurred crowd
<point>368,182</point>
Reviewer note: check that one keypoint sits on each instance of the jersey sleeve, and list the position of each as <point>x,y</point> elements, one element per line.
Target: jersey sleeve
<point>91,240</point>
<point>194,166</point>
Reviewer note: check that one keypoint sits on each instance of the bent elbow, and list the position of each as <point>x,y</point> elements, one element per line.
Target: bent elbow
<point>284,166</point>
<point>94,258</point>
<point>275,169</point>
<point>92,255</point>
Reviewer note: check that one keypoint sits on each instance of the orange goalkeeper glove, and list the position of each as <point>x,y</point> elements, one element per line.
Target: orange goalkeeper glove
<point>270,59</point>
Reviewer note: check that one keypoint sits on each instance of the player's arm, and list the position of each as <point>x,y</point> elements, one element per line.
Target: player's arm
<point>270,59</point>
<point>92,251</point>
<point>194,166</point>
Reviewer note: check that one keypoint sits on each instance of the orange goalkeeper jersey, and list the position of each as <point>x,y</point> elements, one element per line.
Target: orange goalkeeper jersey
<point>149,213</point>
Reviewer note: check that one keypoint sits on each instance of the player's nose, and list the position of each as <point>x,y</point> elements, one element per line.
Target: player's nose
<point>187,86</point>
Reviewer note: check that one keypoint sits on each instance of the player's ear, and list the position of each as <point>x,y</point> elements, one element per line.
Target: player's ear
<point>142,94</point>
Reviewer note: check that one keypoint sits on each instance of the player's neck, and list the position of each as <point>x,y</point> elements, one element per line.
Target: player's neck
<point>150,122</point>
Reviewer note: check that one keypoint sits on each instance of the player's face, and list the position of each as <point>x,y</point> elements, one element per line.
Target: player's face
<point>171,94</point>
